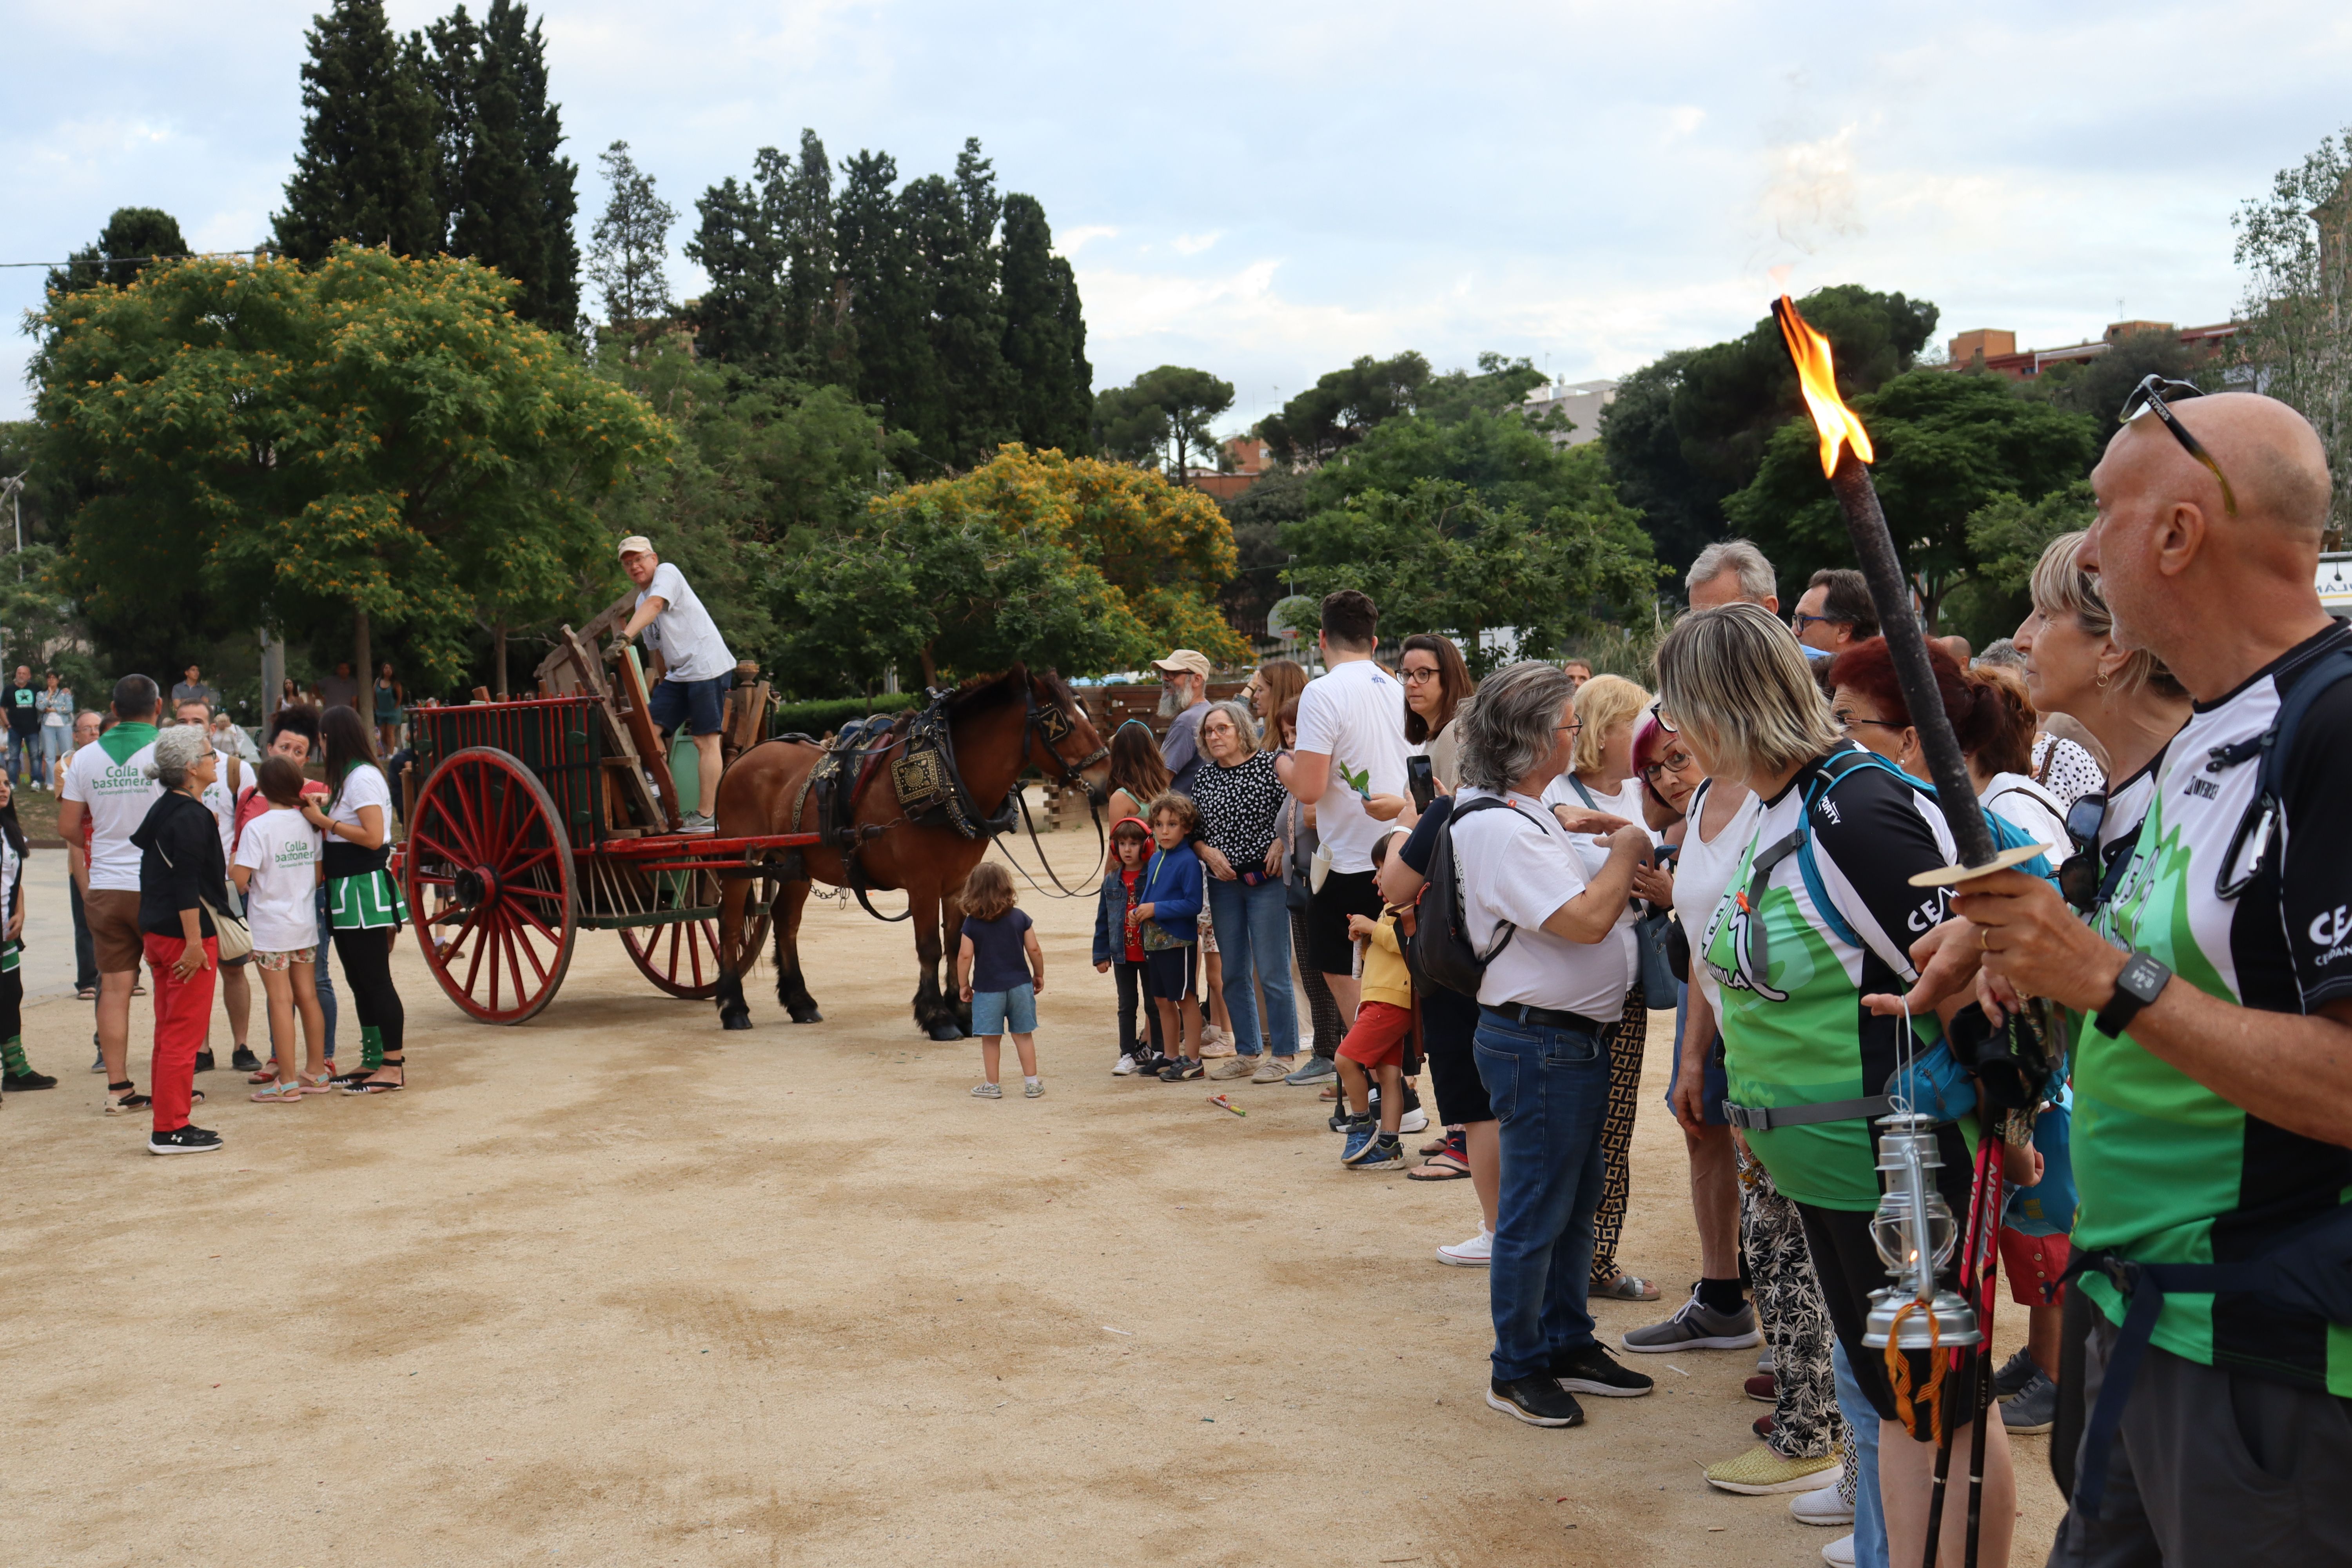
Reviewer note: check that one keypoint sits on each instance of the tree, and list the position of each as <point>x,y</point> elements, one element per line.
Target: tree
<point>889,308</point>
<point>2098,387</point>
<point>123,249</point>
<point>1257,516</point>
<point>1947,444</point>
<point>370,167</point>
<point>1343,406</point>
<point>2295,246</point>
<point>376,443</point>
<point>631,243</point>
<point>1165,413</point>
<point>507,194</point>
<point>1500,386</point>
<point>952,227</point>
<point>1724,404</point>
<point>740,319</point>
<point>1045,335</point>
<point>2007,536</point>
<point>1074,562</point>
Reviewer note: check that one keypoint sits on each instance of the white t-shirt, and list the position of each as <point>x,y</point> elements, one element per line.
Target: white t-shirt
<point>363,785</point>
<point>684,634</point>
<point>2021,803</point>
<point>1519,871</point>
<point>223,806</point>
<point>1593,849</point>
<point>1704,869</point>
<point>1354,715</point>
<point>280,906</point>
<point>117,796</point>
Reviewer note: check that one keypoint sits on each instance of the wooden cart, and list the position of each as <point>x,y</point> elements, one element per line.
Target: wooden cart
<point>540,816</point>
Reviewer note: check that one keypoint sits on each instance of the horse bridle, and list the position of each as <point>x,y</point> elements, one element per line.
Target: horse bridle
<point>1053,726</point>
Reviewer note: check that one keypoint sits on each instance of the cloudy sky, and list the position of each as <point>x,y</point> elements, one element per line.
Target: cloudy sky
<point>1269,190</point>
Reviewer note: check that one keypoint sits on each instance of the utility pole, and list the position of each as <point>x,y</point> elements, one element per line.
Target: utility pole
<point>14,488</point>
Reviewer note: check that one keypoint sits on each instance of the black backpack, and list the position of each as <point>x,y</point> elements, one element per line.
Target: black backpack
<point>1441,952</point>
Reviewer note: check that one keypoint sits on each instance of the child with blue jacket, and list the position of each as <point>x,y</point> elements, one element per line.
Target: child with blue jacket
<point>1166,919</point>
<point>1118,947</point>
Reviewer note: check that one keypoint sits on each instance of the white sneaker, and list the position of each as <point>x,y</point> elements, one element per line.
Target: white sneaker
<point>1839,1554</point>
<point>1823,1506</point>
<point>1475,1253</point>
<point>1126,1067</point>
<point>1413,1121</point>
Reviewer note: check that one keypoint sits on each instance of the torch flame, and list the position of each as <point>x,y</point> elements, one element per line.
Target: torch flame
<point>1838,424</point>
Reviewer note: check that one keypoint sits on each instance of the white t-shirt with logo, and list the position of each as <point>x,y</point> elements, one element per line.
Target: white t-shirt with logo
<point>1353,714</point>
<point>117,796</point>
<point>363,785</point>
<point>284,852</point>
<point>1519,865</point>
<point>684,634</point>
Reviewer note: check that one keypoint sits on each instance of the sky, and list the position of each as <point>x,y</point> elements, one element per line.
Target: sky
<point>1267,191</point>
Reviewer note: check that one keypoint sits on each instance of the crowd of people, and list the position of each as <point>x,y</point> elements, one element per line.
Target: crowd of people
<point>195,860</point>
<point>1739,846</point>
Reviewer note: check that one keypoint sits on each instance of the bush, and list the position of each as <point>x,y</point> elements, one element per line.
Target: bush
<point>816,718</point>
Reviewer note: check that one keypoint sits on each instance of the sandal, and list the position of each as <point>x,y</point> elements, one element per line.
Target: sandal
<point>371,1084</point>
<point>1624,1288</point>
<point>1438,1167</point>
<point>323,1084</point>
<point>262,1076</point>
<point>125,1095</point>
<point>277,1094</point>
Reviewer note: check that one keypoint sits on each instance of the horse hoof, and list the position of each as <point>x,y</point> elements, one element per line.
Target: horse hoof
<point>735,1020</point>
<point>807,1016</point>
<point>945,1029</point>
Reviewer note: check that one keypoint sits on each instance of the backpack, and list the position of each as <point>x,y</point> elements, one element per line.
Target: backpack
<point>2273,746</point>
<point>1441,952</point>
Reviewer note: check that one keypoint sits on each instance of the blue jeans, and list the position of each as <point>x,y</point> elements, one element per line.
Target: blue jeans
<point>1253,927</point>
<point>24,754</point>
<point>1549,1089</point>
<point>1862,1421</point>
<point>320,971</point>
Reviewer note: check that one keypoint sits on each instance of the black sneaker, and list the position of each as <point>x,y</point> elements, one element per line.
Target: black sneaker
<point>1537,1400</point>
<point>245,1060</point>
<point>17,1082</point>
<point>1179,1069</point>
<point>183,1141</point>
<point>205,1061</point>
<point>1591,1369</point>
<point>2014,1375</point>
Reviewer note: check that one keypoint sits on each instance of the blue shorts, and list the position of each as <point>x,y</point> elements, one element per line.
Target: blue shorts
<point>1716,1089</point>
<point>699,705</point>
<point>1005,1012</point>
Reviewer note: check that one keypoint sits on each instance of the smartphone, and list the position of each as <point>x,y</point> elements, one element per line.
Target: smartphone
<point>1422,779</point>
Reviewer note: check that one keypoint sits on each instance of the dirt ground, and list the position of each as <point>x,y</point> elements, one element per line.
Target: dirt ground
<point>615,1287</point>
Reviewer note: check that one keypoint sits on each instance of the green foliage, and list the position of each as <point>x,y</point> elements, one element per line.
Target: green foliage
<point>1257,516</point>
<point>827,714</point>
<point>1500,386</point>
<point>1691,429</point>
<point>132,233</point>
<point>369,168</point>
<point>1947,444</point>
<point>2007,536</point>
<point>629,243</point>
<point>2098,387</point>
<point>1474,525</point>
<point>2295,246</point>
<point>1343,406</point>
<point>1162,417</point>
<point>1073,562</point>
<point>1045,335</point>
<point>377,438</point>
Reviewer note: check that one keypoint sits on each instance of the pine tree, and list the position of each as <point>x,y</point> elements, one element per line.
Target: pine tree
<point>370,166</point>
<point>631,242</point>
<point>801,217</point>
<point>1045,335</point>
<point>739,319</point>
<point>889,309</point>
<point>132,233</point>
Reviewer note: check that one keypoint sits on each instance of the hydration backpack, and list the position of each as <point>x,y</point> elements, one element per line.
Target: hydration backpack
<point>1441,952</point>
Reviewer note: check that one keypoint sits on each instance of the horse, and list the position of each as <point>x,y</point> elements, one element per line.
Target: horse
<point>1002,726</point>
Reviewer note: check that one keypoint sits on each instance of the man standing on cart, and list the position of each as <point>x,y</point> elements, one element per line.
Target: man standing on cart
<point>690,669</point>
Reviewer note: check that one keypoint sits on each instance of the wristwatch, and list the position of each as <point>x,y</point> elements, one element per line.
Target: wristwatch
<point>2142,981</point>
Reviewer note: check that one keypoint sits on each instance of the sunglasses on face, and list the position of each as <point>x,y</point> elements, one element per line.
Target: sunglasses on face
<point>2150,397</point>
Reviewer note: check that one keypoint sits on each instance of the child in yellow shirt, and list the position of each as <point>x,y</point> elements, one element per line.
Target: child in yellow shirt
<point>1375,1048</point>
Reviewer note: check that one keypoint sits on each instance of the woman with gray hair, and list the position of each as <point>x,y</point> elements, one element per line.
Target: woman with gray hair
<point>1821,914</point>
<point>1241,799</point>
<point>1553,984</point>
<point>180,874</point>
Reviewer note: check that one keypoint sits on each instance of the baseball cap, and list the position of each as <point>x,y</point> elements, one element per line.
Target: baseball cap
<point>636,544</point>
<point>1183,661</point>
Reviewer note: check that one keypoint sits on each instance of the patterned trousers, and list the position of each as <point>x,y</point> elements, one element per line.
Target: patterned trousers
<point>1627,1038</point>
<point>1321,1005</point>
<point>1796,1322</point>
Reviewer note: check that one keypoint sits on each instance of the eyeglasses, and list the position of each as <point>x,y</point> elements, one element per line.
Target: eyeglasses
<point>1658,715</point>
<point>2079,877</point>
<point>1846,722</point>
<point>1800,621</point>
<point>2150,397</point>
<point>1417,677</point>
<point>1570,728</point>
<point>1673,761</point>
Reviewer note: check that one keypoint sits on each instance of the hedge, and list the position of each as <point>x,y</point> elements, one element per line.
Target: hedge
<point>816,718</point>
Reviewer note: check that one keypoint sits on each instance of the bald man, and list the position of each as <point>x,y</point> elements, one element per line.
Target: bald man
<point>2213,1077</point>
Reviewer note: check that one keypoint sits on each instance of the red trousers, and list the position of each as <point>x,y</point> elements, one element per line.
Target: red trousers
<point>183,1015</point>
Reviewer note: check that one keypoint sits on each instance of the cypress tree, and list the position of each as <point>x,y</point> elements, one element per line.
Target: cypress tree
<point>507,196</point>
<point>803,221</point>
<point>888,306</point>
<point>739,319</point>
<point>1044,334</point>
<point>548,259</point>
<point>370,165</point>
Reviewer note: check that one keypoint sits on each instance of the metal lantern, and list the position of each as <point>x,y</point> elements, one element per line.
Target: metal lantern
<point>1914,1232</point>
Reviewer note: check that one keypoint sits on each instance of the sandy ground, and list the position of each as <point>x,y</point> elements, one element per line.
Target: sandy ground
<point>618,1288</point>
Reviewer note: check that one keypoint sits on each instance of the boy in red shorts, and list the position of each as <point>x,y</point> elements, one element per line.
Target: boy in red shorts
<point>1375,1047</point>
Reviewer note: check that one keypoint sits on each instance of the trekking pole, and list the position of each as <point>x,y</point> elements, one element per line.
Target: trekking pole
<point>1983,1213</point>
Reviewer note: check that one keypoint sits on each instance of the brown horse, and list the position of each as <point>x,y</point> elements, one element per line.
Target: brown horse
<point>1002,725</point>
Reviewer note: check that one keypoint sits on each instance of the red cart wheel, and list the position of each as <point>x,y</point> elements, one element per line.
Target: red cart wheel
<point>682,957</point>
<point>490,885</point>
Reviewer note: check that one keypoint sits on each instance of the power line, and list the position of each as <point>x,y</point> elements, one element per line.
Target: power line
<point>127,260</point>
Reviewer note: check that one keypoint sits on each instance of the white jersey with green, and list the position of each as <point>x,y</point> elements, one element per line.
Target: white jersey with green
<point>2168,1171</point>
<point>1798,1033</point>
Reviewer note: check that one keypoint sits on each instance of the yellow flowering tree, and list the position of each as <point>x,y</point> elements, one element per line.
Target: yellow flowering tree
<point>375,442</point>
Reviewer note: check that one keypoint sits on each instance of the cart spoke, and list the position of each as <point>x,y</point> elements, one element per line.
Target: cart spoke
<point>694,948</point>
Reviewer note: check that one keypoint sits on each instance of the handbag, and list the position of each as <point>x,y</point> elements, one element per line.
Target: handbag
<point>230,933</point>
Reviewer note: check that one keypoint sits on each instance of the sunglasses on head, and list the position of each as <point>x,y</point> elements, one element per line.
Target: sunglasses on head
<point>1658,715</point>
<point>2150,397</point>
